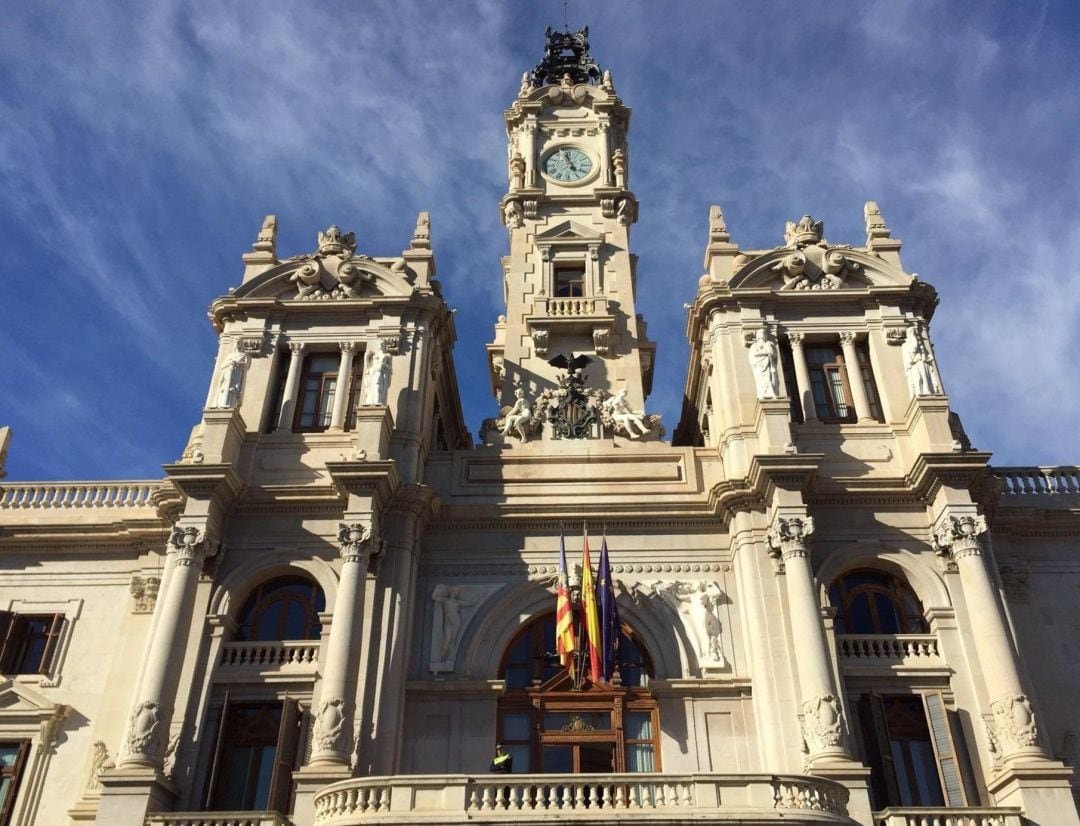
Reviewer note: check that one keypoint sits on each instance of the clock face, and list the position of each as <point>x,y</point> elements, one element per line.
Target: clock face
<point>567,164</point>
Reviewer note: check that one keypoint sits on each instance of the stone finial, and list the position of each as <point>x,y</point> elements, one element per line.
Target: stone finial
<point>606,83</point>
<point>335,242</point>
<point>804,232</point>
<point>5,440</point>
<point>526,86</point>
<point>875,224</point>
<point>266,240</point>
<point>718,232</point>
<point>421,238</point>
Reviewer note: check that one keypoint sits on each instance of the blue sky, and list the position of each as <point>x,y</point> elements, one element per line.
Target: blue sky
<point>142,144</point>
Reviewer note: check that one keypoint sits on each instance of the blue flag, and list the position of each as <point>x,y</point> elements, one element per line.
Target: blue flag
<point>609,617</point>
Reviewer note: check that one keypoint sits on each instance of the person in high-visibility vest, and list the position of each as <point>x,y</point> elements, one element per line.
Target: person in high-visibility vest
<point>502,762</point>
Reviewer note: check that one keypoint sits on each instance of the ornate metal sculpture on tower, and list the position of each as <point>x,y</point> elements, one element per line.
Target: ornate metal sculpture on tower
<point>567,53</point>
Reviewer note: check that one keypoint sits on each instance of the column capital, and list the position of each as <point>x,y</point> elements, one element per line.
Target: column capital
<point>959,536</point>
<point>187,545</point>
<point>796,339</point>
<point>297,347</point>
<point>847,337</point>
<point>358,540</point>
<point>789,536</point>
<point>348,346</point>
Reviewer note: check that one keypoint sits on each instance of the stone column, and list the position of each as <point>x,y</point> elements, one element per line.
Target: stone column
<point>148,728</point>
<point>1013,733</point>
<point>802,378</point>
<point>822,716</point>
<point>333,724</point>
<point>528,151</point>
<point>292,382</point>
<point>854,376</point>
<point>341,397</point>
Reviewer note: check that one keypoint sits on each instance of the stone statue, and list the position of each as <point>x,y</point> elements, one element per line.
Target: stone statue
<point>919,365</point>
<point>763,359</point>
<point>624,417</point>
<point>697,604</point>
<point>518,416</point>
<point>230,384</point>
<point>376,381</point>
<point>447,625</point>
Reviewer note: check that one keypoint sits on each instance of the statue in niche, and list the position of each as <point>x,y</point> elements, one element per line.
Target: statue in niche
<point>624,417</point>
<point>447,626</point>
<point>230,384</point>
<point>697,604</point>
<point>518,416</point>
<point>377,365</point>
<point>763,359</point>
<point>919,365</point>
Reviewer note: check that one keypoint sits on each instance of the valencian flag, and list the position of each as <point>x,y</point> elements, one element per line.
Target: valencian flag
<point>565,641</point>
<point>588,607</point>
<point>609,616</point>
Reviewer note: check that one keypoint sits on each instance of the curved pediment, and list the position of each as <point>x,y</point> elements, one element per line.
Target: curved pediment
<point>817,267</point>
<point>332,276</point>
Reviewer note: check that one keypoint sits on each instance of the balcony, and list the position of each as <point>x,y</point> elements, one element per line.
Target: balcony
<point>590,315</point>
<point>948,817</point>
<point>889,653</point>
<point>576,798</point>
<point>284,659</point>
<point>217,819</point>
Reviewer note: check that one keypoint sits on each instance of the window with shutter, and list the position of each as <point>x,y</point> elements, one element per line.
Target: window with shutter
<point>13,756</point>
<point>30,642</point>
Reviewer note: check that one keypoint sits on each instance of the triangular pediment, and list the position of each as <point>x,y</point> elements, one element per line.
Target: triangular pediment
<point>17,700</point>
<point>568,231</point>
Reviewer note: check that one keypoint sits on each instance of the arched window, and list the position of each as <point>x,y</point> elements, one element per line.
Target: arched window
<point>875,602</point>
<point>548,725</point>
<point>286,608</point>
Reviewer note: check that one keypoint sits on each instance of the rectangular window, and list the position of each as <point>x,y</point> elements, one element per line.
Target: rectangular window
<point>910,750</point>
<point>569,281</point>
<point>13,756</point>
<point>29,642</point>
<point>253,757</point>
<point>829,384</point>
<point>318,385</point>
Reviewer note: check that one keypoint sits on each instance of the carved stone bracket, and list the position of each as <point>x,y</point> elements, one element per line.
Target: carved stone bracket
<point>540,339</point>
<point>601,340</point>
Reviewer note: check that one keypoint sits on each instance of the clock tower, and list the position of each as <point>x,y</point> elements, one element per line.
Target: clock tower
<point>569,278</point>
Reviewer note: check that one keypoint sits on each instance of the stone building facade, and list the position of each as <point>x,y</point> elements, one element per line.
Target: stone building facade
<point>335,602</point>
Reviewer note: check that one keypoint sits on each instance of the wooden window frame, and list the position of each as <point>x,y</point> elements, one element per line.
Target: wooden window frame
<point>16,639</point>
<point>302,393</point>
<point>821,376</point>
<point>568,268</point>
<point>15,772</point>
<point>557,696</point>
<point>269,592</point>
<point>893,588</point>
<point>286,751</point>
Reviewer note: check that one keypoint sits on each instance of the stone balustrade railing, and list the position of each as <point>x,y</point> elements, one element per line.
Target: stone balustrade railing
<point>601,798</point>
<point>888,646</point>
<point>1018,481</point>
<point>575,307</point>
<point>299,653</point>
<point>34,495</point>
<point>948,817</point>
<point>216,819</point>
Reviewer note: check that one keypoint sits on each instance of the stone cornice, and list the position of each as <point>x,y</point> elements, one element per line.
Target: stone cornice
<point>380,479</point>
<point>219,483</point>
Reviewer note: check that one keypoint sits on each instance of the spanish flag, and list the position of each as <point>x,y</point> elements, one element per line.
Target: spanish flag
<point>592,617</point>
<point>565,640</point>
